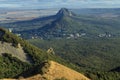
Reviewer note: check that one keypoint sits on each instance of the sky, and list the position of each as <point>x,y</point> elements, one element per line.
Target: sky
<point>42,4</point>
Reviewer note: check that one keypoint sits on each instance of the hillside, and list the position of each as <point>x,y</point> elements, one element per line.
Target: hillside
<point>17,55</point>
<point>58,71</point>
<point>96,54</point>
<point>13,44</point>
<point>95,57</point>
<point>19,58</point>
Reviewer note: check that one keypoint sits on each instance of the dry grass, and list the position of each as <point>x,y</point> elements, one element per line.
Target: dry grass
<point>57,71</point>
<point>36,77</point>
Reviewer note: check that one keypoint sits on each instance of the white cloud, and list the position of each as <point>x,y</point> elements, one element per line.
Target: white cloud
<point>59,3</point>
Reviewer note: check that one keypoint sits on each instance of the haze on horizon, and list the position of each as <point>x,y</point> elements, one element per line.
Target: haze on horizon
<point>44,4</point>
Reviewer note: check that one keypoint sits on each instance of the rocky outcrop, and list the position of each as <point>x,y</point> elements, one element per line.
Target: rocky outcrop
<point>15,51</point>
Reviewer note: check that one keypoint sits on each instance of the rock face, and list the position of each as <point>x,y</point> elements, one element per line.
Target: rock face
<point>16,52</point>
<point>64,12</point>
<point>50,51</point>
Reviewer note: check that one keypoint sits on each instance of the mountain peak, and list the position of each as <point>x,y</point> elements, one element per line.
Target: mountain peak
<point>64,12</point>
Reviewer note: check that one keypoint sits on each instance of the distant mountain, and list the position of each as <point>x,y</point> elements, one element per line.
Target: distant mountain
<point>56,28</point>
<point>64,12</point>
<point>67,24</point>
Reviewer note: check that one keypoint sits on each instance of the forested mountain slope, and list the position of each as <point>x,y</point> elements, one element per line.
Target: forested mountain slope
<point>20,58</point>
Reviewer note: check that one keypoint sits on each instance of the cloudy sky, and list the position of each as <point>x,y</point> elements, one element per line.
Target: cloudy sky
<point>31,4</point>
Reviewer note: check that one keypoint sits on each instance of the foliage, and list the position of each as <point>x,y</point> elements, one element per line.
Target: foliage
<point>103,75</point>
<point>11,66</point>
<point>92,55</point>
